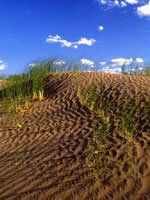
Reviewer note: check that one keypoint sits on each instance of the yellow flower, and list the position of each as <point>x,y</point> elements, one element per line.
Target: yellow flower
<point>34,96</point>
<point>19,125</point>
<point>41,95</point>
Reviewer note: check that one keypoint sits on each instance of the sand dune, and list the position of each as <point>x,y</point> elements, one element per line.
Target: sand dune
<point>1,83</point>
<point>46,158</point>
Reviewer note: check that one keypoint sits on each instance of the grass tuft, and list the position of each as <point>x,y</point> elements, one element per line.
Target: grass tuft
<point>19,91</point>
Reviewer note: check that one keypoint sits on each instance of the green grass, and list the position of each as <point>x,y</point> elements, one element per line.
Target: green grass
<point>21,90</point>
<point>128,123</point>
<point>97,158</point>
<point>30,86</point>
<point>88,96</point>
<point>126,118</point>
<point>96,155</point>
<point>137,72</point>
<point>27,87</point>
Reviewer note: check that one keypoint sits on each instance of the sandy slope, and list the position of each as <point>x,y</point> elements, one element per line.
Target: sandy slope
<point>1,82</point>
<point>45,159</point>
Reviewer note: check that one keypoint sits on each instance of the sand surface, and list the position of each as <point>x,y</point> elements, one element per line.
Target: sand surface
<point>1,82</point>
<point>46,158</point>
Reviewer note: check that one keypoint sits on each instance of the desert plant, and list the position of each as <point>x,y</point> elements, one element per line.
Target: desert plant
<point>127,118</point>
<point>88,96</point>
<point>30,84</point>
<point>127,122</point>
<point>123,68</point>
<point>147,71</point>
<point>97,158</point>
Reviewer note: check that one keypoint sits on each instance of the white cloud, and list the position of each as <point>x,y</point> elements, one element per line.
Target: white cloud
<point>61,62</point>
<point>103,1</point>
<point>58,39</point>
<point>33,64</point>
<point>140,68</point>
<point>121,61</point>
<point>101,28</point>
<point>2,65</point>
<point>110,3</point>
<point>102,63</point>
<point>135,69</point>
<point>85,61</point>
<point>53,38</point>
<point>66,43</point>
<point>86,41</point>
<point>116,2</point>
<point>139,60</point>
<point>82,41</point>
<point>108,70</point>
<point>144,10</point>
<point>118,62</point>
<point>132,1</point>
<point>116,70</point>
<point>130,69</point>
<point>75,46</point>
<point>123,4</point>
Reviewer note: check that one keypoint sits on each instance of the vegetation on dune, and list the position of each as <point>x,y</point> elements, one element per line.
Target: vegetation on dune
<point>21,90</point>
<point>27,87</point>
<point>136,71</point>
<point>97,158</point>
<point>32,83</point>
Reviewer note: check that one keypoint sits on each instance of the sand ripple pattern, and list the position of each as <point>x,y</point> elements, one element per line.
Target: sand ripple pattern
<point>45,159</point>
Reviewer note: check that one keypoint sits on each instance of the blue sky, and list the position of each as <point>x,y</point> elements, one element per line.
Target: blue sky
<point>97,33</point>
